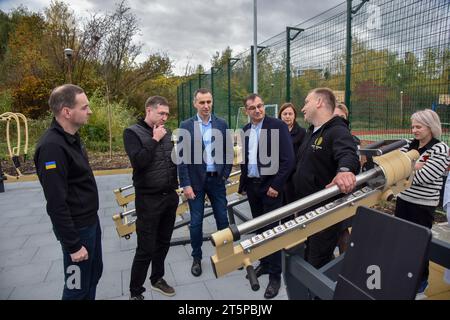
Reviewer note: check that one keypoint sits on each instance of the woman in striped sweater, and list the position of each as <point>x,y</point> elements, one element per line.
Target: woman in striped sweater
<point>418,203</point>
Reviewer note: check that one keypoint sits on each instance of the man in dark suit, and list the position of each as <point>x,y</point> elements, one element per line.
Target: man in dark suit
<point>263,175</point>
<point>206,150</point>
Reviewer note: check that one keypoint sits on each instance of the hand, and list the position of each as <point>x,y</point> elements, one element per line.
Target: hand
<point>346,181</point>
<point>243,193</point>
<point>189,193</point>
<point>419,165</point>
<point>80,255</point>
<point>272,193</point>
<point>159,132</point>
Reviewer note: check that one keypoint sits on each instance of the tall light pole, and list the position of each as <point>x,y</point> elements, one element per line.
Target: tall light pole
<point>69,53</point>
<point>255,45</point>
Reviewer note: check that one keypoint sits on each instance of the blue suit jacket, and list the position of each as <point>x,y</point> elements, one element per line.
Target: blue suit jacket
<point>286,156</point>
<point>194,175</point>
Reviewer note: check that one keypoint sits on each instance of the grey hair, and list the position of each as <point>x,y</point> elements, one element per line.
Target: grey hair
<point>430,119</point>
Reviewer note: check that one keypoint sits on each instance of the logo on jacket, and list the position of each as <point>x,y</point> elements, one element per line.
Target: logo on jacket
<point>50,165</point>
<point>317,143</point>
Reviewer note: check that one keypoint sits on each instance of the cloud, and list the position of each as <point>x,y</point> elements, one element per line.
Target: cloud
<point>191,31</point>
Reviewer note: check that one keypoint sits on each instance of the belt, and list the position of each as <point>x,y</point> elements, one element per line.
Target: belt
<point>211,173</point>
<point>255,180</point>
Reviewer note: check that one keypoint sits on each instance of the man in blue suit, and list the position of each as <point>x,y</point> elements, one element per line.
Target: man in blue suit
<point>269,159</point>
<point>206,150</point>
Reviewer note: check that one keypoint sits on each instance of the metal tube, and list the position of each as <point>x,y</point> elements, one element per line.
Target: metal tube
<point>255,47</point>
<point>302,204</point>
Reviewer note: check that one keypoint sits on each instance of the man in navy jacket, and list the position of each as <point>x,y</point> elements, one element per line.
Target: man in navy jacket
<point>269,159</point>
<point>206,151</point>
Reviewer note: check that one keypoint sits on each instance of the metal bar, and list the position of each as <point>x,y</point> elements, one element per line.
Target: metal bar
<point>302,204</point>
<point>348,58</point>
<point>288,58</point>
<point>255,45</point>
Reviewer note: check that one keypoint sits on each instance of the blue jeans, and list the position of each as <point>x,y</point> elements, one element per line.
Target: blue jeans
<point>215,189</point>
<point>81,278</point>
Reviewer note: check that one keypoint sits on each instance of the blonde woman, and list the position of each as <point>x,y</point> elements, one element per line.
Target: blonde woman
<point>418,203</point>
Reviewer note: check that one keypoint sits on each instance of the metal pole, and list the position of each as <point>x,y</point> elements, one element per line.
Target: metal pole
<point>255,46</point>
<point>229,91</point>
<point>302,204</point>
<point>190,98</point>
<point>401,107</point>
<point>348,62</point>
<point>288,64</point>
<point>252,53</point>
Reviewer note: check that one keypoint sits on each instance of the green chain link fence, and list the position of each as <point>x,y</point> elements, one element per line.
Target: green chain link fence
<point>395,61</point>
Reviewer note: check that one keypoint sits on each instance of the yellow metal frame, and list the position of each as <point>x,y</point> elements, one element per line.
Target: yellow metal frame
<point>397,168</point>
<point>15,151</point>
<point>125,225</point>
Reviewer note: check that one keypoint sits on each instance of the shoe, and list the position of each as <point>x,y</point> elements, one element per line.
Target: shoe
<point>162,287</point>
<point>272,289</point>
<point>196,268</point>
<point>259,270</point>
<point>138,297</point>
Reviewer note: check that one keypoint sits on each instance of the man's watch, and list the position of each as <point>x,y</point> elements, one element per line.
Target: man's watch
<point>343,169</point>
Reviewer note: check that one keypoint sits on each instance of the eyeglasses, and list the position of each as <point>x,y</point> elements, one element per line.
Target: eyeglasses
<point>205,102</point>
<point>253,108</point>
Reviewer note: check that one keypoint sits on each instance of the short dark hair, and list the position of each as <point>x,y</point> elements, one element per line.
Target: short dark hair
<point>63,96</point>
<point>154,101</point>
<point>327,95</point>
<point>202,91</point>
<point>285,106</point>
<point>251,97</point>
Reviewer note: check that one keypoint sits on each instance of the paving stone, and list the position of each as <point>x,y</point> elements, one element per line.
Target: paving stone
<point>39,291</point>
<point>31,229</point>
<point>48,253</point>
<point>56,271</point>
<point>24,275</point>
<point>17,257</point>
<point>42,239</point>
<point>5,293</point>
<point>21,221</point>
<point>12,243</point>
<point>110,285</point>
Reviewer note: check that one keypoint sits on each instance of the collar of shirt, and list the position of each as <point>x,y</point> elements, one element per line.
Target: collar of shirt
<point>71,138</point>
<point>201,121</point>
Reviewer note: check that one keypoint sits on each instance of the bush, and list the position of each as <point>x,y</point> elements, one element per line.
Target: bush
<point>96,133</point>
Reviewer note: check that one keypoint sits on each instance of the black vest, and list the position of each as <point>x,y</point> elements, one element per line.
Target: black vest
<point>160,175</point>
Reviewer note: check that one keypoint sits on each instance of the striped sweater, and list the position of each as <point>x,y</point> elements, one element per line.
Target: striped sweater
<point>427,181</point>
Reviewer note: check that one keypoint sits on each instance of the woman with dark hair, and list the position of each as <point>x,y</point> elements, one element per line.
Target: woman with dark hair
<point>288,114</point>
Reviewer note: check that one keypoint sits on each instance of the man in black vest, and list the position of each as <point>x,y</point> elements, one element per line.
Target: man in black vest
<point>149,146</point>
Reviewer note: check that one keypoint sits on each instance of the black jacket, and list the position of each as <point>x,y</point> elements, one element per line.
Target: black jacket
<point>68,182</point>
<point>297,135</point>
<point>321,155</point>
<point>153,169</point>
<point>283,161</point>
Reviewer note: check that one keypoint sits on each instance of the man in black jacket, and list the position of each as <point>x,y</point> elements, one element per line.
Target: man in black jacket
<point>269,159</point>
<point>328,156</point>
<point>71,192</point>
<point>148,145</point>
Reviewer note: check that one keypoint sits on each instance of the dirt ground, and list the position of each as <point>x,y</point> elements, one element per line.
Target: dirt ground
<point>98,161</point>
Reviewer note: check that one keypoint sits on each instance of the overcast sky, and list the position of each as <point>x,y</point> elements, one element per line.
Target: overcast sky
<point>191,31</point>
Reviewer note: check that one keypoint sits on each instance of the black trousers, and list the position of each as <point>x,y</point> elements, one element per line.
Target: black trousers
<point>320,246</point>
<point>154,227</point>
<point>260,203</point>
<point>418,214</point>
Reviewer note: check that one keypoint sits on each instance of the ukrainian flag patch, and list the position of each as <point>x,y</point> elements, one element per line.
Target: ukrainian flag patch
<point>50,165</point>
